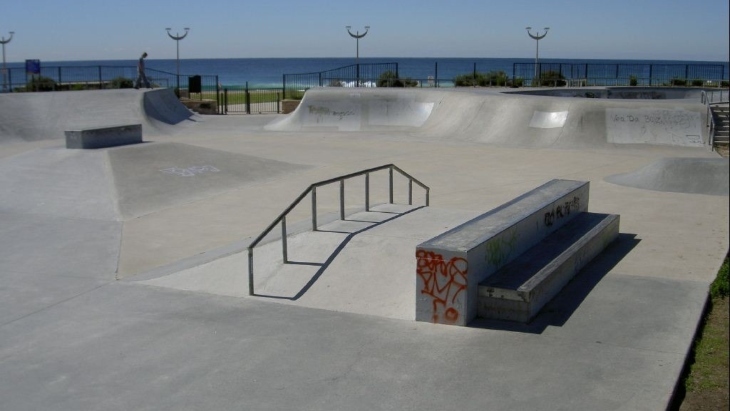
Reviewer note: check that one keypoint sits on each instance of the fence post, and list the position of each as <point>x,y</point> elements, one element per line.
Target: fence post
<point>651,70</point>
<point>248,100</point>
<point>283,85</point>
<point>436,73</point>
<point>101,82</point>
<point>217,96</point>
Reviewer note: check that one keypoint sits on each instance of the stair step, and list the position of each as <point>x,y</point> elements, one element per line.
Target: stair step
<point>520,289</point>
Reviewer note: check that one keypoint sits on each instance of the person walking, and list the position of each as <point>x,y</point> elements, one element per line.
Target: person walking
<point>141,76</point>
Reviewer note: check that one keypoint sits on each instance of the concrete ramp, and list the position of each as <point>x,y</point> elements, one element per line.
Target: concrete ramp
<point>149,177</point>
<point>359,110</point>
<point>501,118</point>
<point>46,115</point>
<point>679,175</point>
<point>125,182</point>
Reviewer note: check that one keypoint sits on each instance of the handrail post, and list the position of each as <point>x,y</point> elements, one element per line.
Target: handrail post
<point>390,177</point>
<point>410,191</point>
<point>367,191</point>
<point>342,199</point>
<point>428,191</point>
<point>314,208</point>
<point>250,271</point>
<point>284,253</point>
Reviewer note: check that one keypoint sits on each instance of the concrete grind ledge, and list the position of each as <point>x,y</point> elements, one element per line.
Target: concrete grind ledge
<point>519,290</point>
<point>103,137</point>
<point>451,265</point>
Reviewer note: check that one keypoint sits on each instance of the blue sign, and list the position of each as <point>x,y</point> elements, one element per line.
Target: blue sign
<point>33,66</point>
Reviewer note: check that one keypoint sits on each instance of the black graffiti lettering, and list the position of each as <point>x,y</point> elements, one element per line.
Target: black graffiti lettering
<point>549,218</point>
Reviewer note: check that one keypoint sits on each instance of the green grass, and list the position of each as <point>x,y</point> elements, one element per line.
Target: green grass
<point>706,386</point>
<point>239,97</point>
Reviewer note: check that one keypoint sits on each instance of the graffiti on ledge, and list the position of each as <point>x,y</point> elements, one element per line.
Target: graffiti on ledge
<point>442,281</point>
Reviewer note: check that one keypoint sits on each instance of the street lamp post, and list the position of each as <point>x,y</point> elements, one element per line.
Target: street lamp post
<point>357,36</point>
<point>5,70</point>
<point>177,37</point>
<point>537,38</point>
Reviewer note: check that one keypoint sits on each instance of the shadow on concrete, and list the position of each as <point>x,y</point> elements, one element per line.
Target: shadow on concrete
<point>335,253</point>
<point>557,312</point>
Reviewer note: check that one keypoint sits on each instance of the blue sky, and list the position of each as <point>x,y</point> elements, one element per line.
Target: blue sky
<point>53,30</point>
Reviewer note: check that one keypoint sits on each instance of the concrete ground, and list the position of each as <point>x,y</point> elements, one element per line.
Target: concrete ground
<point>124,280</point>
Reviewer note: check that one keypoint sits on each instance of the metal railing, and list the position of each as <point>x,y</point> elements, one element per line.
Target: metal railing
<point>281,219</point>
<point>66,78</point>
<point>708,97</point>
<point>612,74</point>
<point>355,75</point>
<point>245,100</point>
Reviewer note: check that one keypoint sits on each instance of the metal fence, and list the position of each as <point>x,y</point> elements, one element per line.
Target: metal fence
<point>588,74</point>
<point>60,78</point>
<point>355,75</point>
<point>244,100</point>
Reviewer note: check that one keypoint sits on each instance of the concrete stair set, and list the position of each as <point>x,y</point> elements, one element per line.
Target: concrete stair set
<point>721,115</point>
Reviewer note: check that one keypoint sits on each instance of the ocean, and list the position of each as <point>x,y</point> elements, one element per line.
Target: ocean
<point>268,72</point>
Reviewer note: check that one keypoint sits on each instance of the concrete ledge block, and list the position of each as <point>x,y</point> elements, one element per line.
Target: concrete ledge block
<point>451,266</point>
<point>104,136</point>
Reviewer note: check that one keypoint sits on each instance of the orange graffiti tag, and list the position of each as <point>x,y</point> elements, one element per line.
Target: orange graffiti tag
<point>443,282</point>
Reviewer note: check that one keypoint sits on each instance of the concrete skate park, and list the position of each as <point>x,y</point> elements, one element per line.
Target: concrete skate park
<point>127,277</point>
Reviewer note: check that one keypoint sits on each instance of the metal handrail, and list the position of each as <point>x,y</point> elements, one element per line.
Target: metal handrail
<point>281,219</point>
<point>710,119</point>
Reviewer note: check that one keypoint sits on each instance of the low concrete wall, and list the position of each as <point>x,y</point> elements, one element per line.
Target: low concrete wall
<point>450,266</point>
<point>102,137</point>
<point>620,93</point>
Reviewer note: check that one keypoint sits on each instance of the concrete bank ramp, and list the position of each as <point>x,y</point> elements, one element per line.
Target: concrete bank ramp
<point>338,109</point>
<point>680,175</point>
<point>125,182</point>
<point>46,115</point>
<point>501,118</point>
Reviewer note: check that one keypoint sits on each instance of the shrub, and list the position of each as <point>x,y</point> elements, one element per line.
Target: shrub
<point>121,82</point>
<point>552,78</point>
<point>725,83</point>
<point>697,83</point>
<point>493,78</point>
<point>633,81</point>
<point>41,84</point>
<point>678,82</point>
<point>721,286</point>
<point>390,79</point>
